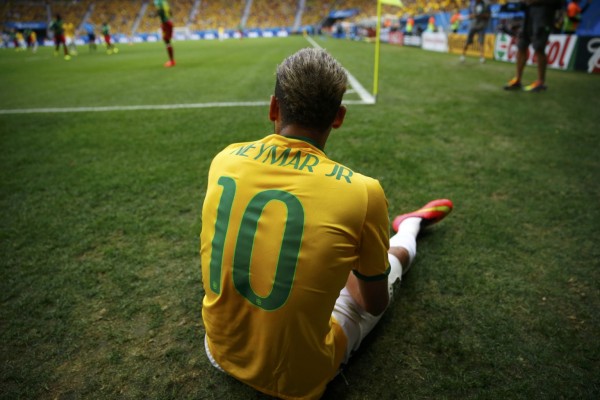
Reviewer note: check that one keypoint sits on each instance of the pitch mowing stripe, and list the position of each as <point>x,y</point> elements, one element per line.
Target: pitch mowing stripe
<point>365,96</point>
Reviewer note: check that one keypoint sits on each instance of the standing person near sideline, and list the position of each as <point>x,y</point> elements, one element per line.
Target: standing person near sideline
<point>572,17</point>
<point>455,21</point>
<point>59,36</point>
<point>110,47</point>
<point>410,24</point>
<point>297,262</point>
<point>166,25</point>
<point>480,17</point>
<point>539,19</point>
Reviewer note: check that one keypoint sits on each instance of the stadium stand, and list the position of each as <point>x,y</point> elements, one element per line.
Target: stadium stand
<point>24,11</point>
<point>315,11</point>
<point>180,10</point>
<point>70,11</point>
<point>272,13</point>
<point>213,15</point>
<point>204,15</point>
<point>120,14</point>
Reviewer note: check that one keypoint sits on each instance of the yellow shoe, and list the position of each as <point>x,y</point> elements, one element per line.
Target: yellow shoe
<point>67,57</point>
<point>109,52</point>
<point>115,50</point>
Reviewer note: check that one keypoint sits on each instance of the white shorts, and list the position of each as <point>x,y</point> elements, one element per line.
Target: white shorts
<point>355,322</point>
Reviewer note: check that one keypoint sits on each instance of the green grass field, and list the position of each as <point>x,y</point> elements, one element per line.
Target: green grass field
<point>100,283</point>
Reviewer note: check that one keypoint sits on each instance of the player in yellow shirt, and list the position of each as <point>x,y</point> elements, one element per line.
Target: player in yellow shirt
<point>294,245</point>
<point>70,37</point>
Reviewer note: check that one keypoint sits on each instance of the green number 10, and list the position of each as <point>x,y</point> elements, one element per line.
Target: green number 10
<point>288,253</point>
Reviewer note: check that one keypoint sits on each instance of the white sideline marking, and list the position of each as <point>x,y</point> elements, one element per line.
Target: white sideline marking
<point>147,107</point>
<point>365,96</point>
<point>136,108</point>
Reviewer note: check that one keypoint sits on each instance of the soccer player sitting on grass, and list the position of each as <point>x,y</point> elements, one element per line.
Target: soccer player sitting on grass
<point>166,25</point>
<point>297,262</point>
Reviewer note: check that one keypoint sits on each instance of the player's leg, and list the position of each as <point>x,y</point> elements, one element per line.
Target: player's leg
<point>167,29</point>
<point>481,38</point>
<point>542,21</point>
<point>469,41</point>
<point>523,41</point>
<point>356,322</point>
<point>65,49</point>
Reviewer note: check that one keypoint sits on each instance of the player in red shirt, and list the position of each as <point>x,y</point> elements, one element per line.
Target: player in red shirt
<point>59,36</point>
<point>164,12</point>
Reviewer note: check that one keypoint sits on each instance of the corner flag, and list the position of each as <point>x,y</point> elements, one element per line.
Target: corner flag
<point>392,2</point>
<point>396,3</point>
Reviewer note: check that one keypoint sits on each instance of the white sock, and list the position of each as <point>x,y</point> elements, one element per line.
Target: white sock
<point>395,276</point>
<point>407,238</point>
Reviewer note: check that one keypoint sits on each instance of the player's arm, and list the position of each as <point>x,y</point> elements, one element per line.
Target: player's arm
<point>372,296</point>
<point>368,283</point>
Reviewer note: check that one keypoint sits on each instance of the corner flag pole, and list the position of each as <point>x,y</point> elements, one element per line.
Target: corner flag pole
<point>397,3</point>
<point>377,38</point>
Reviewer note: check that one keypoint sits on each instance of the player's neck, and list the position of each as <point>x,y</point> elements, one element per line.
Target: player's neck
<point>296,131</point>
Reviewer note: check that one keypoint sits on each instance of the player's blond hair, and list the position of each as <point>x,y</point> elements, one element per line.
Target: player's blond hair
<point>309,87</point>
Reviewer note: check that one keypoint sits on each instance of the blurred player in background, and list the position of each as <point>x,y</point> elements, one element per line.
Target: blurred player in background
<point>31,38</point>
<point>70,38</point>
<point>91,34</point>
<point>166,25</point>
<point>480,17</point>
<point>110,47</point>
<point>20,44</point>
<point>59,36</point>
<point>297,261</point>
<point>539,21</point>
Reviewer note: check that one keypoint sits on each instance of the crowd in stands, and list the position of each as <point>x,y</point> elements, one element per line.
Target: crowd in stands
<point>213,15</point>
<point>315,11</point>
<point>119,14</point>
<point>180,10</point>
<point>23,11</point>
<point>272,13</point>
<point>72,12</point>
<point>210,15</point>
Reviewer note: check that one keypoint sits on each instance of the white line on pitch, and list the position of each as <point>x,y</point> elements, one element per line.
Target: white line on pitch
<point>365,96</point>
<point>146,107</point>
<point>136,108</point>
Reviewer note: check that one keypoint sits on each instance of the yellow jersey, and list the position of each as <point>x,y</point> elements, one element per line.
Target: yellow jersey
<point>282,227</point>
<point>69,29</point>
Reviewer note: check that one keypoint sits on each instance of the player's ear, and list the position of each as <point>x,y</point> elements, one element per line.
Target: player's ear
<point>339,117</point>
<point>273,109</point>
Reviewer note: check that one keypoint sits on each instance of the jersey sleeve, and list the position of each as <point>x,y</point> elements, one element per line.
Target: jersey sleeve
<point>373,260</point>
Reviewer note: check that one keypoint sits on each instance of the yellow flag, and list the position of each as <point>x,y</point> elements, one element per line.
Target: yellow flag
<point>397,3</point>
